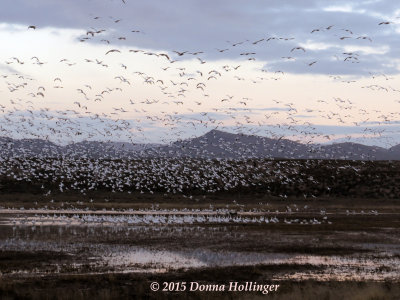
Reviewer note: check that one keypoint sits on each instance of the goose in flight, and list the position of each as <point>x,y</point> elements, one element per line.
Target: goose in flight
<point>347,30</point>
<point>258,41</point>
<point>239,43</point>
<point>165,55</point>
<point>315,30</point>
<point>298,48</point>
<point>364,38</point>
<point>180,53</point>
<point>112,50</point>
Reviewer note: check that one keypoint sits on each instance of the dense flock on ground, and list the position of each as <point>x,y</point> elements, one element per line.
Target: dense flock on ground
<point>187,176</point>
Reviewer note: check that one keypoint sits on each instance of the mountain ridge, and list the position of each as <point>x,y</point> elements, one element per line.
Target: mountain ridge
<point>214,144</point>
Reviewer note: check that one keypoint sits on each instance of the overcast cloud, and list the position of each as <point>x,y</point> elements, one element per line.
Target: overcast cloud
<point>188,25</point>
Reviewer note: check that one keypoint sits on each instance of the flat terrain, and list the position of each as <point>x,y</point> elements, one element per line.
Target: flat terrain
<point>318,229</point>
<point>332,248</point>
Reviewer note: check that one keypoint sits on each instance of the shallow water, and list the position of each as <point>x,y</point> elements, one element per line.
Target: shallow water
<point>43,218</point>
<point>132,243</point>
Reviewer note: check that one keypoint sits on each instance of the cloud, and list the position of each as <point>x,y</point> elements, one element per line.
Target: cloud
<point>206,25</point>
<point>7,68</point>
<point>343,39</point>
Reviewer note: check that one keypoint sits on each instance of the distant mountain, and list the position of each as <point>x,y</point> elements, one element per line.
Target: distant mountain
<point>219,144</point>
<point>106,149</point>
<point>87,149</point>
<point>355,151</point>
<point>30,147</point>
<point>214,144</point>
<point>394,152</point>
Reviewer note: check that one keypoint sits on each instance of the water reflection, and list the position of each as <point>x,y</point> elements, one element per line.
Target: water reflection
<point>94,248</point>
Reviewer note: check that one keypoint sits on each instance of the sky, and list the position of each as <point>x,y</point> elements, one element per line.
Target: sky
<point>311,71</point>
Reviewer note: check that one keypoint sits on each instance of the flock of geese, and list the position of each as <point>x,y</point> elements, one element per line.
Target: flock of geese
<point>192,178</point>
<point>185,84</point>
<point>158,219</point>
